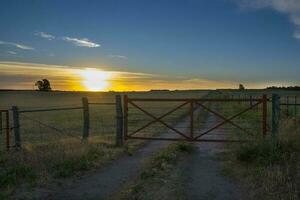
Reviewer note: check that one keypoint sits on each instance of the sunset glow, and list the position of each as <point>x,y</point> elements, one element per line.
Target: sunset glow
<point>94,79</point>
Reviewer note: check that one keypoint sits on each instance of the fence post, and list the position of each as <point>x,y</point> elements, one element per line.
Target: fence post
<point>119,123</point>
<point>295,107</point>
<point>275,114</point>
<point>287,106</point>
<point>7,126</point>
<point>251,102</point>
<point>192,119</point>
<point>264,114</point>
<point>86,118</point>
<point>16,126</point>
<point>125,127</point>
<point>1,123</point>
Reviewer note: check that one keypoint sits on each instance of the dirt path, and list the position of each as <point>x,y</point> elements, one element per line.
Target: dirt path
<point>108,180</point>
<point>202,170</point>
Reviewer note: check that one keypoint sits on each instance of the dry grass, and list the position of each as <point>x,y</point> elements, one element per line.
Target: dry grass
<point>269,169</point>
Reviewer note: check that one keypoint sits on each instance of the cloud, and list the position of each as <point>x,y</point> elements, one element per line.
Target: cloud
<point>83,42</point>
<point>12,52</point>
<point>45,35</point>
<point>289,7</point>
<point>20,46</point>
<point>118,56</point>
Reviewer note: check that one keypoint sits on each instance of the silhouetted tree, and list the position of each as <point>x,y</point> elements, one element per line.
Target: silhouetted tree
<point>241,87</point>
<point>43,85</point>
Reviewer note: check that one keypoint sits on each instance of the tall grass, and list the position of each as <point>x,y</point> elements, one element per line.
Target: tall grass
<point>270,167</point>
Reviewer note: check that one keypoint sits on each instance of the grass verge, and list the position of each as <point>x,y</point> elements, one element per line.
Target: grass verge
<point>268,168</point>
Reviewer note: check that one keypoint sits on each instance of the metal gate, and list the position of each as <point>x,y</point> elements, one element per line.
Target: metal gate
<point>193,103</point>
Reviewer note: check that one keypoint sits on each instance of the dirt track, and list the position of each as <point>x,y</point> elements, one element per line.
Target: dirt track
<point>202,177</point>
<point>108,180</point>
<point>202,170</point>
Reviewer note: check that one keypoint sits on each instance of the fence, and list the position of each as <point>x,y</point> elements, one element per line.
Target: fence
<point>283,111</point>
<point>31,125</point>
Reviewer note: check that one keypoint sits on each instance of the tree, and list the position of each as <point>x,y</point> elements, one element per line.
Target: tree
<point>241,87</point>
<point>43,85</point>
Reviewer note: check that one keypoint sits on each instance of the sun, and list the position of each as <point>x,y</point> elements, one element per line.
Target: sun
<point>95,79</point>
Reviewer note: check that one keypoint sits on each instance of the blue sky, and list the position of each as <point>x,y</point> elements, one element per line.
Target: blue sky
<point>255,42</point>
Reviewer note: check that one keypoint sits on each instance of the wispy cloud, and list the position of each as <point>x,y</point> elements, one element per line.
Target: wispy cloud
<point>20,46</point>
<point>11,52</point>
<point>45,35</point>
<point>118,56</point>
<point>83,42</point>
<point>289,7</point>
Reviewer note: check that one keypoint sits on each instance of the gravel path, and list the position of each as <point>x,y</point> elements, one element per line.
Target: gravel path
<point>202,170</point>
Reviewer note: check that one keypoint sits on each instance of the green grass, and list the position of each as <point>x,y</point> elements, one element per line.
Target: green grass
<point>159,178</point>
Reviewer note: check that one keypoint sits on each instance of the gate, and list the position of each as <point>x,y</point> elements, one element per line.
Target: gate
<point>189,133</point>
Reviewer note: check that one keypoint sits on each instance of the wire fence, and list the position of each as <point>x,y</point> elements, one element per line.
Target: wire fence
<point>39,126</point>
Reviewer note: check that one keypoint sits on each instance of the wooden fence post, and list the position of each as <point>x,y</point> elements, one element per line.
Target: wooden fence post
<point>264,114</point>
<point>295,107</point>
<point>119,122</point>
<point>16,126</point>
<point>275,114</point>
<point>1,127</point>
<point>287,106</point>
<point>192,119</point>
<point>251,102</point>
<point>125,127</point>
<point>86,118</point>
<point>7,126</point>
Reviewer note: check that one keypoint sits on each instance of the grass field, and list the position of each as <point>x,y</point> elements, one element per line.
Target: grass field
<point>48,154</point>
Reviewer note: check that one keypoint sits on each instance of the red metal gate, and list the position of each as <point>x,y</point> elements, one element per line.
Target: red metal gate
<point>189,135</point>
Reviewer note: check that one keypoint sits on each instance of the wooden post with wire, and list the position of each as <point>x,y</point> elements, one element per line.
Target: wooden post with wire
<point>7,131</point>
<point>287,106</point>
<point>125,119</point>
<point>86,118</point>
<point>264,114</point>
<point>119,121</point>
<point>275,114</point>
<point>16,126</point>
<point>192,119</point>
<point>1,127</point>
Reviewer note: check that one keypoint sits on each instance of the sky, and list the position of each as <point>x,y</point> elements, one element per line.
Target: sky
<point>149,44</point>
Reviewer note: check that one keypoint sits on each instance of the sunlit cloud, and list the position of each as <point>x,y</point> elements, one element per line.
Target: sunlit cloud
<point>20,46</point>
<point>45,35</point>
<point>289,7</point>
<point>83,42</point>
<point>118,56</point>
